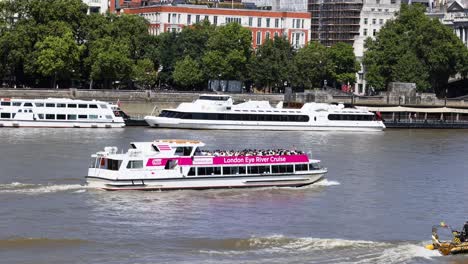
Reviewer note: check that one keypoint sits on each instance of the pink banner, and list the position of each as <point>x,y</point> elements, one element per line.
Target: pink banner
<point>230,160</point>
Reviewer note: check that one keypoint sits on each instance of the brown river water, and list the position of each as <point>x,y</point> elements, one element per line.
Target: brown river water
<point>382,194</point>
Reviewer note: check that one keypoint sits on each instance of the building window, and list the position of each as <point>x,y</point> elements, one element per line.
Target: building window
<point>377,2</point>
<point>267,35</point>
<point>365,32</point>
<point>197,18</point>
<point>169,18</point>
<point>276,34</point>
<point>215,20</point>
<point>374,21</point>
<point>268,22</point>
<point>392,1</point>
<point>259,22</point>
<point>277,23</point>
<point>380,9</point>
<point>189,19</point>
<point>365,21</point>
<point>298,23</point>
<point>372,9</point>
<point>381,21</point>
<point>374,32</point>
<point>250,21</point>
<point>206,18</point>
<point>259,37</point>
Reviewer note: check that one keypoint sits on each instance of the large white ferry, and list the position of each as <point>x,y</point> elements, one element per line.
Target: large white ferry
<point>219,112</point>
<point>58,112</point>
<point>181,164</point>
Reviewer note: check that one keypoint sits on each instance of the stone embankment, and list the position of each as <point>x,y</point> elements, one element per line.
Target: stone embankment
<point>140,103</point>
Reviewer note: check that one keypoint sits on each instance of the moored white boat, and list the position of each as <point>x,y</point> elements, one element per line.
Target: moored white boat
<point>181,164</point>
<point>219,112</point>
<point>58,112</point>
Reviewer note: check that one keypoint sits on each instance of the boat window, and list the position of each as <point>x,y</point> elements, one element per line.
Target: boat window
<point>40,116</point>
<point>93,163</point>
<point>71,105</point>
<point>253,169</point>
<point>263,169</point>
<point>28,104</point>
<point>135,164</point>
<point>217,170</point>
<point>61,105</point>
<point>93,117</point>
<point>82,117</point>
<point>302,167</point>
<point>197,152</point>
<point>242,170</point>
<point>171,164</point>
<point>82,106</point>
<point>113,164</point>
<point>71,117</point>
<point>5,115</point>
<point>103,106</point>
<point>39,104</point>
<point>17,103</point>
<point>191,172</point>
<point>214,98</point>
<point>20,111</point>
<point>348,117</point>
<point>50,116</point>
<point>108,117</point>
<point>183,151</point>
<point>314,166</point>
<point>50,105</point>
<point>61,117</point>
<point>93,106</point>
<point>5,103</point>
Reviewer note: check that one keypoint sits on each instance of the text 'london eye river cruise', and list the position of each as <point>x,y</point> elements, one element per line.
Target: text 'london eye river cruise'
<point>219,112</point>
<point>181,164</point>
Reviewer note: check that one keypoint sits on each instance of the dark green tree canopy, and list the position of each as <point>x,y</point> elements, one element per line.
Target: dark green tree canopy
<point>414,48</point>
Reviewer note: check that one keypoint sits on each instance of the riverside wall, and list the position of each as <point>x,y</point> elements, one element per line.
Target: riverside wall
<point>140,103</point>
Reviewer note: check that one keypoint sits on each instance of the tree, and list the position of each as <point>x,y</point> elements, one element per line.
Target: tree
<point>312,65</point>
<point>414,48</point>
<point>187,72</point>
<point>271,64</point>
<point>144,74</point>
<point>344,63</point>
<point>56,56</point>
<point>230,43</point>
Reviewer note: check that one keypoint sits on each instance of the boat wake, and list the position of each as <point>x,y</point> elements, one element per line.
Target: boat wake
<point>17,187</point>
<point>318,250</point>
<point>326,182</point>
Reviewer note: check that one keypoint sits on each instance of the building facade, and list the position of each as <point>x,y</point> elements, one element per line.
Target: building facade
<point>280,5</point>
<point>374,15</point>
<point>295,26</point>
<point>97,6</point>
<point>456,17</point>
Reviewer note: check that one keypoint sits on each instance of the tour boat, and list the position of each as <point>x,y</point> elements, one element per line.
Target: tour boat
<point>182,164</point>
<point>219,112</point>
<point>58,112</point>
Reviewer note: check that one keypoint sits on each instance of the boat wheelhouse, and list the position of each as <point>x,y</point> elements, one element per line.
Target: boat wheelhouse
<point>58,112</point>
<point>182,164</point>
<point>219,112</point>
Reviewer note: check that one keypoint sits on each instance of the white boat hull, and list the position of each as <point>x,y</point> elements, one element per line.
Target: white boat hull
<point>246,125</point>
<point>59,124</point>
<point>196,182</point>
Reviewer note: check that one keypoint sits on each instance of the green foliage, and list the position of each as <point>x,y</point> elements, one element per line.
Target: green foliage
<point>345,65</point>
<point>312,65</point>
<point>414,48</point>
<point>144,74</point>
<point>187,72</point>
<point>271,66</point>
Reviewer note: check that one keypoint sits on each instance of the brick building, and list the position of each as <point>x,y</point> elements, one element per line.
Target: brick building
<point>262,23</point>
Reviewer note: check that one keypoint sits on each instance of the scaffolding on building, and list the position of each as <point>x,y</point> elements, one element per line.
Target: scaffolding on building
<point>335,21</point>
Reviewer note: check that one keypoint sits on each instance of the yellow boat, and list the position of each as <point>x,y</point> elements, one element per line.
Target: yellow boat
<point>458,244</point>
